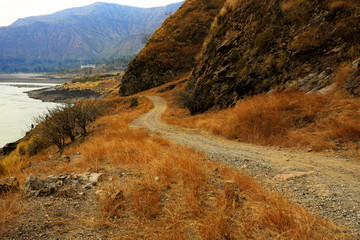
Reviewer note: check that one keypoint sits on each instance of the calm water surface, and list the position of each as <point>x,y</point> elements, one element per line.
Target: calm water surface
<point>17,110</point>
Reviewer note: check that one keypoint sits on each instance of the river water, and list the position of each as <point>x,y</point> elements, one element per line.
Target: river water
<point>17,110</point>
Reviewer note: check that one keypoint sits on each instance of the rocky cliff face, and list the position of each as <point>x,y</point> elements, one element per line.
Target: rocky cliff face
<point>98,30</point>
<point>172,49</point>
<point>258,46</point>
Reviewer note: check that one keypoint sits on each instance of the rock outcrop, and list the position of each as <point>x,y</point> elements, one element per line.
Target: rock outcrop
<point>67,185</point>
<point>257,46</point>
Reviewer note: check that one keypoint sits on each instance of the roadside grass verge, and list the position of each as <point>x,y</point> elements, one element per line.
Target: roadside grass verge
<point>291,119</point>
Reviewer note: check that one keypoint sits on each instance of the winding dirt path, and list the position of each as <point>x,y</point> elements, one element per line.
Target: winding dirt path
<point>326,185</point>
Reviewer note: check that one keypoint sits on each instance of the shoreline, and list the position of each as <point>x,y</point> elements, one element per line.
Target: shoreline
<point>32,78</point>
<point>57,94</point>
<point>53,94</point>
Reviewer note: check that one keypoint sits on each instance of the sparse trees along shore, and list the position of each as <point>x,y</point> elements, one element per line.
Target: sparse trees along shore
<point>63,122</point>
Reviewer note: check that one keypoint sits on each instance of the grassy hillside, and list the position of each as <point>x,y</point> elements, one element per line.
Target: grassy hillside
<point>155,188</point>
<point>167,191</point>
<point>172,49</point>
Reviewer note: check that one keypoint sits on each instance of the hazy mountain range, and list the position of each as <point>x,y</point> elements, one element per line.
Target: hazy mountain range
<point>99,30</point>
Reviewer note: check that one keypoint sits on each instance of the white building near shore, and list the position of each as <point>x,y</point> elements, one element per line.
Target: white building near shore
<point>88,66</point>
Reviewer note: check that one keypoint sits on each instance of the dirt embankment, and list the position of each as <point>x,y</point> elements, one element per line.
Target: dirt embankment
<point>327,185</point>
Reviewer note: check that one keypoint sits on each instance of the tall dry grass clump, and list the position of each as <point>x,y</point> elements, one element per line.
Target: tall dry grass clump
<point>267,119</point>
<point>11,205</point>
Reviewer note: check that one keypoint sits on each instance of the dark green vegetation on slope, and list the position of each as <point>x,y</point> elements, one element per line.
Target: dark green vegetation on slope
<point>100,30</point>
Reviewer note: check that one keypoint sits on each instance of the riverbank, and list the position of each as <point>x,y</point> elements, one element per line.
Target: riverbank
<point>19,107</point>
<point>59,94</point>
<point>33,78</point>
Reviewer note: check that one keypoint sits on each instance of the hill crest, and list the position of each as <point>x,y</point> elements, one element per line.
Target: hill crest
<point>100,30</point>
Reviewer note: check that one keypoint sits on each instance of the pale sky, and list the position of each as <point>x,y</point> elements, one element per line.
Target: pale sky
<point>11,10</point>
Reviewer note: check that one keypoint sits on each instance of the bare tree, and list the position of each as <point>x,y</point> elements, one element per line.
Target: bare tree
<point>85,112</point>
<point>51,127</point>
<point>61,123</point>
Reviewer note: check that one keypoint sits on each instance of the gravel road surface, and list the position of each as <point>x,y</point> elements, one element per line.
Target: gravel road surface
<point>326,185</point>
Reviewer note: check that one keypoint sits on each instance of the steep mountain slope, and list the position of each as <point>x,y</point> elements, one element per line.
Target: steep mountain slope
<point>257,46</point>
<point>172,49</point>
<point>98,30</point>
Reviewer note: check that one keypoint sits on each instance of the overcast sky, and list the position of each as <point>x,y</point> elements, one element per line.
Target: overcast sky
<point>11,10</point>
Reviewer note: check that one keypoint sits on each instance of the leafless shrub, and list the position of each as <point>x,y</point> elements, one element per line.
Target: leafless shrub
<point>85,113</point>
<point>61,123</point>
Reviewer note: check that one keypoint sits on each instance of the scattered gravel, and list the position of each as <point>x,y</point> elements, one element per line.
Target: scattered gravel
<point>326,185</point>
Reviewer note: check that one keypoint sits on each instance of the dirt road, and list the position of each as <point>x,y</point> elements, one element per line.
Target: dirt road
<point>327,185</point>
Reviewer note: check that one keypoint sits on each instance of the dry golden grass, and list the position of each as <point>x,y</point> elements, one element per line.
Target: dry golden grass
<point>103,87</point>
<point>46,162</point>
<point>306,40</point>
<point>171,192</point>
<point>11,205</point>
<point>343,73</point>
<point>292,119</point>
<point>342,4</point>
<point>293,4</point>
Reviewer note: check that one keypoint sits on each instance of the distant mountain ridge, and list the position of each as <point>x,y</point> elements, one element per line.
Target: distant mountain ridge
<point>97,30</point>
<point>173,48</point>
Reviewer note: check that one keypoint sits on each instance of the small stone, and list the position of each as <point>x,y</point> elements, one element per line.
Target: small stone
<point>157,178</point>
